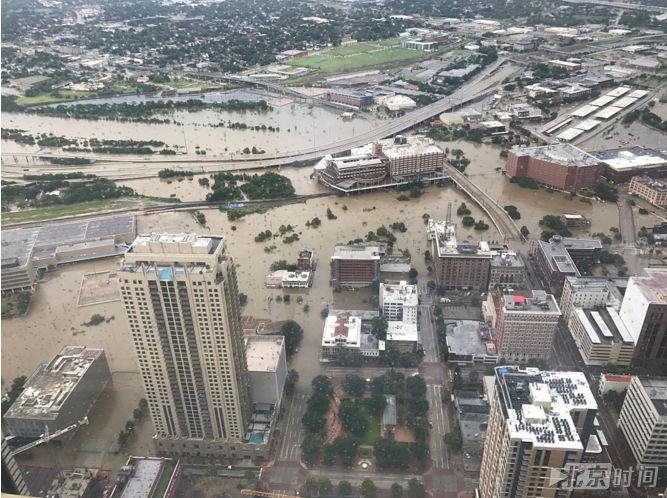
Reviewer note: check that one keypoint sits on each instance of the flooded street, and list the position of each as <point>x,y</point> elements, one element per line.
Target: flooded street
<point>301,127</point>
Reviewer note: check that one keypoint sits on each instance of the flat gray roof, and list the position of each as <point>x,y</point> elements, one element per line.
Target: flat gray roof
<point>464,337</point>
<point>140,485</point>
<point>565,154</point>
<point>44,240</point>
<point>389,415</point>
<point>656,388</point>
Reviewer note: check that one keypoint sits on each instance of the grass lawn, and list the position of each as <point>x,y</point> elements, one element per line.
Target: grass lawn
<point>387,43</point>
<point>167,472</point>
<point>53,212</point>
<point>373,431</point>
<point>47,98</point>
<point>181,83</point>
<point>352,49</point>
<point>326,65</point>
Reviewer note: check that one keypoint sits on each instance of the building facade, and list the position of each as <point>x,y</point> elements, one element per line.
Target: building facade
<point>59,393</point>
<point>267,368</point>
<point>538,421</point>
<point>350,97</point>
<point>643,419</point>
<point>12,478</point>
<point>526,326</point>
<point>562,166</point>
<point>459,266</point>
<point>592,292</point>
<point>649,189</point>
<point>355,266</point>
<point>181,299</point>
<point>340,331</point>
<point>601,336</point>
<point>508,270</point>
<point>556,258</point>
<point>403,336</point>
<point>621,165</point>
<point>644,312</point>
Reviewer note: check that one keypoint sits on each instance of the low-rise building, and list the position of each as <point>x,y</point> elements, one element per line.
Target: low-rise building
<point>76,483</point>
<point>297,279</point>
<point>356,265</point>
<point>456,76</point>
<point>649,189</point>
<point>346,329</point>
<point>389,417</point>
<point>459,266</point>
<point>141,477</point>
<point>469,341</point>
<point>398,103</point>
<point>267,368</point>
<point>575,220</point>
<point>293,54</point>
<point>399,302</point>
<point>489,127</point>
<point>617,383</point>
<point>275,278</point>
<point>570,66</point>
<point>508,270</point>
<point>350,97</point>
<point>525,111</point>
<point>59,393</point>
<point>305,261</point>
<point>601,336</point>
<point>556,258</point>
<point>422,46</point>
<point>643,419</point>
<point>621,165</point>
<point>404,336</point>
<point>526,325</point>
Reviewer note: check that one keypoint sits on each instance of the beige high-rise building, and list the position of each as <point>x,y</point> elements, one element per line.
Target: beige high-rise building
<point>181,299</point>
<point>539,423</point>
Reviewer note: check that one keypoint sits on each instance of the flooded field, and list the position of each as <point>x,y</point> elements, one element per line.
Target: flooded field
<point>301,127</point>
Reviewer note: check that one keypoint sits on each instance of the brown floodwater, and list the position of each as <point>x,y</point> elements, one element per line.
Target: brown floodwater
<point>301,127</point>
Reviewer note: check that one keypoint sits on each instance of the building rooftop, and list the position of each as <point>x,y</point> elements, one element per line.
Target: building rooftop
<point>146,472</point>
<point>403,293</point>
<point>350,93</point>
<point>20,243</point>
<point>540,302</point>
<point>342,329</point>
<point>364,315</point>
<point>296,276</point>
<point>51,384</point>
<point>366,251</point>
<point>613,285</point>
<point>169,243</point>
<point>656,389</point>
<point>416,145</point>
<point>389,414</point>
<point>469,337</point>
<point>75,485</point>
<point>402,331</point>
<point>604,325</point>
<point>537,405</point>
<point>458,73</point>
<point>558,258</point>
<point>630,157</point>
<point>263,352</point>
<point>444,233</point>
<point>564,154</point>
<point>653,284</point>
<point>652,183</point>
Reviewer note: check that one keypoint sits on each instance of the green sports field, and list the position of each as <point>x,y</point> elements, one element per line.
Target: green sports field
<point>335,65</point>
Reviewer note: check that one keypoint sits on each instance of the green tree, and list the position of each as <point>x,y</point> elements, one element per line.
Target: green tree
<point>353,385</point>
<point>138,414</point>
<point>310,447</point>
<point>473,376</point>
<point>419,450</point>
<point>459,384</point>
<point>311,484</point>
<point>322,384</point>
<point>291,381</point>
<point>293,333</point>
<point>393,355</point>
<point>324,313</point>
<point>143,404</point>
<point>427,255</point>
<point>416,386</point>
<point>379,327</point>
<point>413,273</point>
<point>324,485</point>
<point>344,488</point>
<point>348,447</point>
<point>313,421</point>
<point>391,454</point>
<point>318,403</point>
<point>524,231</point>
<point>416,489</point>
<point>377,404</point>
<point>329,454</point>
<point>243,299</point>
<point>368,489</point>
<point>396,490</point>
<point>249,476</point>
<point>452,440</point>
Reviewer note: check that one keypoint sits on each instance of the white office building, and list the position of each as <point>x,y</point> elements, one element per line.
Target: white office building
<point>643,419</point>
<point>399,302</point>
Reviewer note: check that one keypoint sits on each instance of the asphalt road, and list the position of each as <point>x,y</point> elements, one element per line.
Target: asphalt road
<point>626,220</point>
<point>292,431</point>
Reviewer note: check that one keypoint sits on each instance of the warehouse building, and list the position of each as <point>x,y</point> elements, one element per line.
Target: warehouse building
<point>27,249</point>
<point>620,165</point>
<point>59,393</point>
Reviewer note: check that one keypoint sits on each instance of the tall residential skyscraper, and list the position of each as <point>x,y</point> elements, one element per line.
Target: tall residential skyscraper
<point>181,300</point>
<point>539,421</point>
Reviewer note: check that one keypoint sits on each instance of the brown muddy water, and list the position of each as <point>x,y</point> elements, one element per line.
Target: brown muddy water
<point>301,127</point>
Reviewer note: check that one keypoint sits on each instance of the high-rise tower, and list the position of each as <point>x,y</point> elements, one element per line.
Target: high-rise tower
<point>181,300</point>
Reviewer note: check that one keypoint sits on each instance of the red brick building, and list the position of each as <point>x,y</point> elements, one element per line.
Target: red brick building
<point>562,166</point>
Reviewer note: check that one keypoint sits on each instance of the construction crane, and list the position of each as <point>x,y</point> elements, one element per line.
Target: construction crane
<point>48,438</point>
<point>264,494</point>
